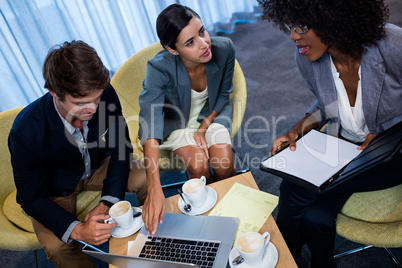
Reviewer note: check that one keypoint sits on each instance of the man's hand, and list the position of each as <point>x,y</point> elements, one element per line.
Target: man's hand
<point>94,231</point>
<point>100,209</point>
<point>153,210</point>
<point>369,137</point>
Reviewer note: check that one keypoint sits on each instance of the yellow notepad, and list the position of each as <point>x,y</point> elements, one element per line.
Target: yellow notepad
<point>251,206</point>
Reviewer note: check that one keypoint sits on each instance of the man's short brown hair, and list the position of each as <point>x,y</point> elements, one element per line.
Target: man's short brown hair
<point>74,68</point>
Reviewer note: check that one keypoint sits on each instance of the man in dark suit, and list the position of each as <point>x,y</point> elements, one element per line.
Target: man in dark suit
<point>74,138</point>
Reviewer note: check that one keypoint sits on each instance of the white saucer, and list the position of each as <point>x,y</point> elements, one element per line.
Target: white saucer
<point>118,232</point>
<point>210,201</point>
<point>270,258</point>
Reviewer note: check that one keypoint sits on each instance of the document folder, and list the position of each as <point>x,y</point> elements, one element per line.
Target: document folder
<point>382,149</point>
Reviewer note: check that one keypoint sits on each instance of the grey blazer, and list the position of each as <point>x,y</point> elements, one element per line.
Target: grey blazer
<point>381,81</point>
<point>165,100</point>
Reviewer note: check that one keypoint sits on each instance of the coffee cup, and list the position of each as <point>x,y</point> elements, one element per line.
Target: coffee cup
<point>195,191</point>
<point>252,246</point>
<point>121,213</point>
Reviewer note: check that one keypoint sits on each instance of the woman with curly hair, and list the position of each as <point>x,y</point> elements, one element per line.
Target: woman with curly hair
<point>351,60</point>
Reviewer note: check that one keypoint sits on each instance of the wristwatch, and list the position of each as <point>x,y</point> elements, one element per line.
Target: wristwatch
<point>107,203</point>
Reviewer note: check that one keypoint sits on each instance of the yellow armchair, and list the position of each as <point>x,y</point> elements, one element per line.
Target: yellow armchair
<point>11,236</point>
<point>373,219</point>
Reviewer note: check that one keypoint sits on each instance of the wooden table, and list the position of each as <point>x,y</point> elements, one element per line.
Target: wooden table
<point>119,245</point>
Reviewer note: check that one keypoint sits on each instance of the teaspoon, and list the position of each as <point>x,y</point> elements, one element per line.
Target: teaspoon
<point>186,207</point>
<point>137,214</point>
<point>238,260</point>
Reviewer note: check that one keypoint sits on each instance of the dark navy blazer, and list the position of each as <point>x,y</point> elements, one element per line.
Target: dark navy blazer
<point>47,163</point>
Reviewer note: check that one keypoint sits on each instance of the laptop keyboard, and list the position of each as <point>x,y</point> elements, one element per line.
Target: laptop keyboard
<point>201,253</point>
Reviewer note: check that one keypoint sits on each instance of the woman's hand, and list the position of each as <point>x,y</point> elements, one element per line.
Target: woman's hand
<point>284,140</point>
<point>154,206</point>
<point>307,123</point>
<point>369,137</point>
<point>199,137</point>
<point>153,209</point>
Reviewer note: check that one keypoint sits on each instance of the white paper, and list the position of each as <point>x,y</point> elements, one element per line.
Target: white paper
<point>317,157</point>
<point>251,206</point>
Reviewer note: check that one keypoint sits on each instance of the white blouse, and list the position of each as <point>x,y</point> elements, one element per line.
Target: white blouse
<point>198,100</point>
<point>353,123</point>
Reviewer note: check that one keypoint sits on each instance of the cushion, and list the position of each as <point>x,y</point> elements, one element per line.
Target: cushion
<point>91,201</point>
<point>383,206</point>
<point>86,201</point>
<point>376,234</point>
<point>86,198</point>
<point>14,213</point>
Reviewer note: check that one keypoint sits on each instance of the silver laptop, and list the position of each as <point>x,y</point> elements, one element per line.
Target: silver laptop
<point>181,241</point>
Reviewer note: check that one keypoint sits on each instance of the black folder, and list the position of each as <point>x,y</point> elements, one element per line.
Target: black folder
<point>382,149</point>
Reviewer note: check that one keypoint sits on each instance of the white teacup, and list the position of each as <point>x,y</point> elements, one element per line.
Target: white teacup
<point>195,191</point>
<point>251,246</point>
<point>121,213</point>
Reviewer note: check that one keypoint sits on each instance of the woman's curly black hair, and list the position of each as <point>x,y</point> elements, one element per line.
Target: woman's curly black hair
<point>347,25</point>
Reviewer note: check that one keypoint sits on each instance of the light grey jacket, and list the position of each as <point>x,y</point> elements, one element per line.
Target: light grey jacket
<point>165,100</point>
<point>381,82</point>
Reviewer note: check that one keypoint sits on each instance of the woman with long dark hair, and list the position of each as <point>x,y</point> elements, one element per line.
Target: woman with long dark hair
<point>185,105</point>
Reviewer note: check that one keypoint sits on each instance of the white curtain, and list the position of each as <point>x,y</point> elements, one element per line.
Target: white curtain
<point>115,28</point>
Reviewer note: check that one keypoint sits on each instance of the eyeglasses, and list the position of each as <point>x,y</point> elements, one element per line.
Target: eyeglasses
<point>299,29</point>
